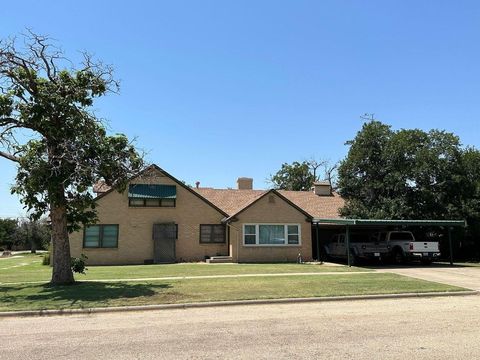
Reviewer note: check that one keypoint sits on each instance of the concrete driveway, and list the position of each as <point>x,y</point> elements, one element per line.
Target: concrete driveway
<point>463,276</point>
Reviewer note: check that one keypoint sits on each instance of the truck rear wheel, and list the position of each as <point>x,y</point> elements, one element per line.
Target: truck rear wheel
<point>426,262</point>
<point>398,257</point>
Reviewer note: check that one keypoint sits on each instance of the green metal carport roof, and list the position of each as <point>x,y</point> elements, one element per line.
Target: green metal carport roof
<point>380,222</point>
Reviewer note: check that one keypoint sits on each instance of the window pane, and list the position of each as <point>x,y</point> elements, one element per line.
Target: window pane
<point>292,229</point>
<point>110,236</point>
<point>250,229</point>
<point>271,234</point>
<point>136,202</point>
<point>205,230</point>
<point>293,239</point>
<point>168,202</point>
<point>250,239</point>
<point>218,233</point>
<point>92,236</point>
<point>152,202</point>
<point>205,233</point>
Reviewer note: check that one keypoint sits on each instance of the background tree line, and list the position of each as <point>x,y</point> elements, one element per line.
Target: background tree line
<point>24,234</point>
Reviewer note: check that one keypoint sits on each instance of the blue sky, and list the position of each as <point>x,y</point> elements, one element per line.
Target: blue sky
<point>214,90</point>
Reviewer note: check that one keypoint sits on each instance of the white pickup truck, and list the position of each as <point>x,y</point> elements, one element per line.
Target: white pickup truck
<point>403,247</point>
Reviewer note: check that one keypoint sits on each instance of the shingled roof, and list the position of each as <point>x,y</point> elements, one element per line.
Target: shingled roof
<point>324,207</point>
<point>232,201</point>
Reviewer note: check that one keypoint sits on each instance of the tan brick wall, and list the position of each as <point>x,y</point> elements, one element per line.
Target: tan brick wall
<point>270,209</point>
<point>135,242</point>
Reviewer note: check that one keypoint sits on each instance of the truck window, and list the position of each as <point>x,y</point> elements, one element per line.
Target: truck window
<point>378,236</point>
<point>357,238</point>
<point>407,236</point>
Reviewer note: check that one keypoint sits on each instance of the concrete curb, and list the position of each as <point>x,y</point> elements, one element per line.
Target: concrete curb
<point>230,303</point>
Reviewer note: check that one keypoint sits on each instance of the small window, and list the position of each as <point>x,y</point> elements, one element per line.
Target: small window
<point>100,236</point>
<point>167,203</point>
<point>212,234</point>
<point>137,202</point>
<point>152,202</point>
<point>250,234</point>
<point>293,234</point>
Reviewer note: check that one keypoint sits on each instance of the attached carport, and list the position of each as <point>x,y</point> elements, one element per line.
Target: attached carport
<point>348,224</point>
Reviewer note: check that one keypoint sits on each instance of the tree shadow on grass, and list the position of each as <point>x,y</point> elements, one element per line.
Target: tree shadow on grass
<point>79,294</point>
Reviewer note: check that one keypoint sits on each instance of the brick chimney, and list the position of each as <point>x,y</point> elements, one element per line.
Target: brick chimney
<point>245,183</point>
<point>322,188</point>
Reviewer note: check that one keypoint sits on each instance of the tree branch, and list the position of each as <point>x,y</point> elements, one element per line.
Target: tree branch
<point>9,156</point>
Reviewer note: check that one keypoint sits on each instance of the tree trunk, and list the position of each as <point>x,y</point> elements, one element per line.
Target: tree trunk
<point>31,239</point>
<point>62,271</point>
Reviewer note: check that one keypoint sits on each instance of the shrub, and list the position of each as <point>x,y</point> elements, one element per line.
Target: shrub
<point>47,256</point>
<point>46,259</point>
<point>78,264</point>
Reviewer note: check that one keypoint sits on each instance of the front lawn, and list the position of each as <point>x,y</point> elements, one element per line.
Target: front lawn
<point>101,294</point>
<point>29,268</point>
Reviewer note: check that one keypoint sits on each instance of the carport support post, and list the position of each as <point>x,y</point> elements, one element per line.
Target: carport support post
<point>347,240</point>
<point>450,244</point>
<point>318,242</point>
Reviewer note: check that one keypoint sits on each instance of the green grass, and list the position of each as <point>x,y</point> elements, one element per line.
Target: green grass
<point>101,294</point>
<point>29,268</point>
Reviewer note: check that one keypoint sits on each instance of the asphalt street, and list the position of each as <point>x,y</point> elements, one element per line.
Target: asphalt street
<point>418,328</point>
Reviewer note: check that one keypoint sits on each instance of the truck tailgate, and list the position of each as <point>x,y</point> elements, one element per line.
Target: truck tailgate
<point>421,246</point>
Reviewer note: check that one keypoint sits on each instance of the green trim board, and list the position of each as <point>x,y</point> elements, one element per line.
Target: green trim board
<point>381,222</point>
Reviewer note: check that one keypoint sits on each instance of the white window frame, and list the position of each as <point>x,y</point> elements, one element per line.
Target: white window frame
<point>257,235</point>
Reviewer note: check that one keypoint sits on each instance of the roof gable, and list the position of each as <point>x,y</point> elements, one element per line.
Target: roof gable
<point>178,182</point>
<point>269,192</point>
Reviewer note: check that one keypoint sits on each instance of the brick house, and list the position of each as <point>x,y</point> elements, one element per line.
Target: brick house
<point>159,219</point>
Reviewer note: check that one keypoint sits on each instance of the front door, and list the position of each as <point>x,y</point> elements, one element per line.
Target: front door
<point>164,236</point>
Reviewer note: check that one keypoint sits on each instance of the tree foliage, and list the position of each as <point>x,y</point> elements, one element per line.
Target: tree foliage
<point>409,174</point>
<point>67,148</point>
<point>296,176</point>
<point>8,228</point>
<point>300,176</point>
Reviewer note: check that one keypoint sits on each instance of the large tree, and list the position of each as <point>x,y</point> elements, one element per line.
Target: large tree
<point>300,176</point>
<point>48,128</point>
<point>409,174</point>
<point>295,176</point>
